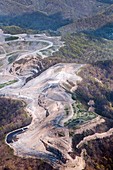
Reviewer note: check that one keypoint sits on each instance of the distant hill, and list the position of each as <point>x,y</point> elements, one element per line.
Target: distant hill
<point>65,15</point>
<point>68,8</point>
<point>98,21</point>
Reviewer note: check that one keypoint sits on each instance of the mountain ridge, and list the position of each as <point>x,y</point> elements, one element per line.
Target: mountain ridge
<point>72,15</point>
<point>69,9</point>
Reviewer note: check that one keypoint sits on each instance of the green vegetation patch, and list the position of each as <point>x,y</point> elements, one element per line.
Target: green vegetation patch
<point>12,58</point>
<point>7,83</point>
<point>81,115</point>
<point>17,30</point>
<point>11,38</point>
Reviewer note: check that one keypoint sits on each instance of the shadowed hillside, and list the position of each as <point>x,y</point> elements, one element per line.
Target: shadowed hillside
<point>35,21</point>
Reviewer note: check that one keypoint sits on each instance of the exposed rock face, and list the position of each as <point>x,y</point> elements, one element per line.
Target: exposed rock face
<point>31,67</point>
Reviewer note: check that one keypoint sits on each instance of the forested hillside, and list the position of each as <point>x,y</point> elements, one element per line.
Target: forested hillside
<point>85,48</point>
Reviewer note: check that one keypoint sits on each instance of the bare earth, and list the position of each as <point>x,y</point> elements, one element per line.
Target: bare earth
<point>46,97</point>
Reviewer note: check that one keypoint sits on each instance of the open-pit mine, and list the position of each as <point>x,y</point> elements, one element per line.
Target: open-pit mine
<point>28,72</point>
